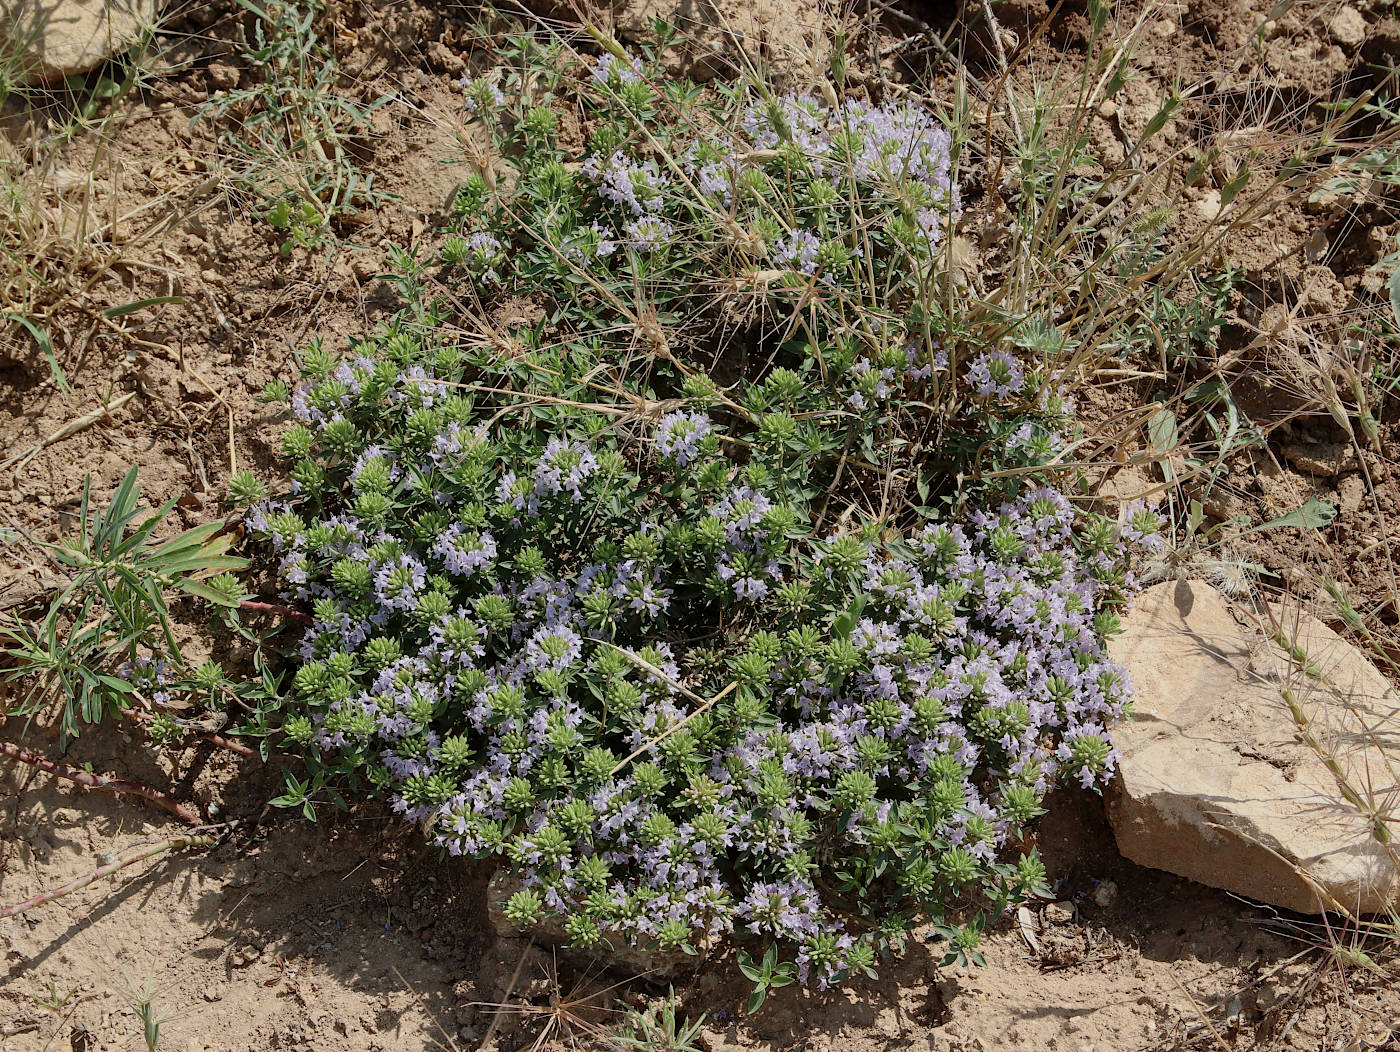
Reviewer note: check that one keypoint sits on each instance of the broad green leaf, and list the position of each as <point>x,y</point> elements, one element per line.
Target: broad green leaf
<point>1313,515</point>
<point>203,591</point>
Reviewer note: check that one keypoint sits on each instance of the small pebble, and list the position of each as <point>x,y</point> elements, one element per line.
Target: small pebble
<point>1105,893</point>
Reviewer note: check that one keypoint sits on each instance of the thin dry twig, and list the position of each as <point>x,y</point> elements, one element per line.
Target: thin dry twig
<point>277,608</point>
<point>703,703</point>
<point>510,989</point>
<point>1199,1014</point>
<point>107,869</point>
<point>102,783</point>
<point>70,428</point>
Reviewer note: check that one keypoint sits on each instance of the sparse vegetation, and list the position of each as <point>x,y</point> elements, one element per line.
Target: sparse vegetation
<point>288,140</point>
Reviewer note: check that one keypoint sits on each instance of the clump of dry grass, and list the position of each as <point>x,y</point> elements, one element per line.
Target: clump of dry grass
<point>61,232</point>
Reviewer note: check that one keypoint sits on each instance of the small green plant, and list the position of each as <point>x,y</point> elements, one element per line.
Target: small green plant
<point>659,1028</point>
<point>288,139</point>
<point>142,1000</point>
<point>766,974</point>
<point>107,633</point>
<point>56,999</point>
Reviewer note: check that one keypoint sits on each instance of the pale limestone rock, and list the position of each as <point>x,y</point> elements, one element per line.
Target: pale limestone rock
<point>1216,782</point>
<point>1324,459</point>
<point>58,38</point>
<point>1348,27</point>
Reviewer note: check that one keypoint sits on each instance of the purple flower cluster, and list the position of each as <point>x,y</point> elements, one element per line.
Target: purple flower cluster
<point>798,250</point>
<point>664,676</point>
<point>637,186</point>
<point>648,233</point>
<point>995,374</point>
<point>678,435</point>
<point>463,552</point>
<point>971,675</point>
<point>612,72</point>
<point>895,145</point>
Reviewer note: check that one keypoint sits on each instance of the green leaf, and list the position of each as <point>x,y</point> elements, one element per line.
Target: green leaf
<point>1313,515</point>
<point>1393,286</point>
<point>41,337</point>
<point>1231,189</point>
<point>1161,430</point>
<point>1160,118</point>
<point>203,591</point>
<point>770,959</point>
<point>841,628</point>
<point>1162,437</point>
<point>751,971</point>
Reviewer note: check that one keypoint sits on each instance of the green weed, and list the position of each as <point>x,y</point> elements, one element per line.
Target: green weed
<point>659,1028</point>
<point>113,616</point>
<point>288,141</point>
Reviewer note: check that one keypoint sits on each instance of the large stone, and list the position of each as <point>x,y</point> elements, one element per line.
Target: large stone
<point>786,36</point>
<point>58,38</point>
<point>1217,780</point>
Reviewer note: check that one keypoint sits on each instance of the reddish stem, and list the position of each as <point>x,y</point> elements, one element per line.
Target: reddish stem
<point>102,782</point>
<point>277,608</point>
<point>243,750</point>
<point>106,870</point>
<point>231,746</point>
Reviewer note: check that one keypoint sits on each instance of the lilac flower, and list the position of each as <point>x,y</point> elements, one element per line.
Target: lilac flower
<point>1032,438</point>
<point>398,582</point>
<point>557,648</point>
<point>637,186</point>
<point>463,552</point>
<point>716,180</point>
<point>900,142</point>
<point>605,241</point>
<point>478,93</point>
<point>800,119</point>
<point>648,233</point>
<point>798,250</point>
<point>612,72</point>
<point>995,374</point>
<point>564,466</point>
<point>679,434</point>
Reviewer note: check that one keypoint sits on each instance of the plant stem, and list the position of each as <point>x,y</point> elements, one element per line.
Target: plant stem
<point>102,782</point>
<point>276,608</point>
<point>106,870</point>
<point>243,750</point>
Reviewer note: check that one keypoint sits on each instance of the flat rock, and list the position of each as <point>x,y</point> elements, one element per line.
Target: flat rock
<point>621,958</point>
<point>1216,781</point>
<point>1348,27</point>
<point>58,38</point>
<point>1324,459</point>
<point>713,35</point>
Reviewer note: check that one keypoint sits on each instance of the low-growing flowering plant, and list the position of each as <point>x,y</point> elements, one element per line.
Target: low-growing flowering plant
<point>701,642</point>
